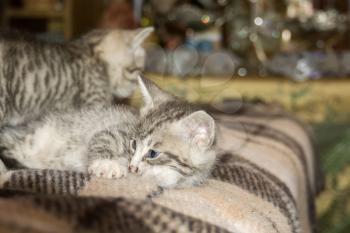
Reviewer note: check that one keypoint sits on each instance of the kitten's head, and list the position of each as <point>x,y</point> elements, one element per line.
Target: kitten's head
<point>174,142</point>
<point>124,55</point>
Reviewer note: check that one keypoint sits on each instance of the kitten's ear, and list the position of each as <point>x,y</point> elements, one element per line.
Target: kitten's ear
<point>199,129</point>
<point>152,94</point>
<point>140,35</point>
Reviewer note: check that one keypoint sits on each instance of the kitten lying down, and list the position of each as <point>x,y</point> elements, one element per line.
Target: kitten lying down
<point>170,141</point>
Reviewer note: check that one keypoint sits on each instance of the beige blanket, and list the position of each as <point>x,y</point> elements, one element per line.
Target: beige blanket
<point>265,180</point>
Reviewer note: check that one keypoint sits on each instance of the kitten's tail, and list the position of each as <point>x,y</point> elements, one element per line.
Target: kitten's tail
<point>8,163</point>
<point>9,137</point>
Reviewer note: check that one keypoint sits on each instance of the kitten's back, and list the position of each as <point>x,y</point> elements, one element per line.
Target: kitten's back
<point>60,140</point>
<point>87,121</point>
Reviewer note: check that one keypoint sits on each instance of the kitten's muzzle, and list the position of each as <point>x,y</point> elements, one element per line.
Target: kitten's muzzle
<point>133,169</point>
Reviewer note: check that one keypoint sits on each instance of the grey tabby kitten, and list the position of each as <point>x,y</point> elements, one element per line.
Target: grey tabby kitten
<point>170,142</point>
<point>36,77</point>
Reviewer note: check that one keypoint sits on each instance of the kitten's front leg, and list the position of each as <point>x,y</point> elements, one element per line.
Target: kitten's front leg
<point>107,168</point>
<point>107,155</point>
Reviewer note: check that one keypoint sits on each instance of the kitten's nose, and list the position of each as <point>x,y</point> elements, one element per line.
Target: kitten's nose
<point>133,169</point>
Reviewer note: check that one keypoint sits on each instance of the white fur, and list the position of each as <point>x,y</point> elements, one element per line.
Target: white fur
<point>163,175</point>
<point>107,168</point>
<point>62,140</point>
<point>45,149</point>
<point>140,152</point>
<point>141,35</point>
<point>147,98</point>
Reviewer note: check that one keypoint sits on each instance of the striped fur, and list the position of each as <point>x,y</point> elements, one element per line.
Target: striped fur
<point>81,141</point>
<point>37,77</point>
<point>155,127</point>
<point>165,120</point>
<point>244,193</point>
<point>97,140</point>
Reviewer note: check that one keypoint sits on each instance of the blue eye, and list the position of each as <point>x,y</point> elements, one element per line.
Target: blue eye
<point>152,154</point>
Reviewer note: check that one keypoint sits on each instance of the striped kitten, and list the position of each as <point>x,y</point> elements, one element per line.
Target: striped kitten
<point>170,141</point>
<point>174,142</point>
<point>36,77</point>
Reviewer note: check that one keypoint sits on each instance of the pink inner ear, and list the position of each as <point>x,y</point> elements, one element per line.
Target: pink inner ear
<point>202,130</point>
<point>197,129</point>
<point>200,136</point>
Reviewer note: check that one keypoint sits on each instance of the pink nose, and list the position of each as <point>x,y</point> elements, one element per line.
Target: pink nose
<point>133,169</point>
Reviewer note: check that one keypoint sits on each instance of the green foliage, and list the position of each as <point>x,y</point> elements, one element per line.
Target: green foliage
<point>297,95</point>
<point>334,144</point>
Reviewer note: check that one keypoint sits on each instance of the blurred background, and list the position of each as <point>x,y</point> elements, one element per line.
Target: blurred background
<point>292,52</point>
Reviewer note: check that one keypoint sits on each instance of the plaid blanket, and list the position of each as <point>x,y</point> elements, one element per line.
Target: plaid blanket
<point>265,180</point>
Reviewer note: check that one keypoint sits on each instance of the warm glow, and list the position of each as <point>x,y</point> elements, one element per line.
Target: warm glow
<point>205,19</point>
<point>286,35</point>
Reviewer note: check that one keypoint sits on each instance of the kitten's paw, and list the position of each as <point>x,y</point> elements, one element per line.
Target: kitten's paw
<point>107,168</point>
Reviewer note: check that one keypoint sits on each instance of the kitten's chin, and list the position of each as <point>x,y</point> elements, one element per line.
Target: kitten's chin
<point>123,93</point>
<point>163,176</point>
<point>203,158</point>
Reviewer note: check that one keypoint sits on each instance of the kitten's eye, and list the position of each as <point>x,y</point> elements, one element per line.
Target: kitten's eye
<point>152,154</point>
<point>133,145</point>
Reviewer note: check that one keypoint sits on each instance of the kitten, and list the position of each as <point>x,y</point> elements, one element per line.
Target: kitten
<point>170,141</point>
<point>37,77</point>
<point>174,142</point>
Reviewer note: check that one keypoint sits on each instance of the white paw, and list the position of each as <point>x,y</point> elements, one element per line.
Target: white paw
<point>107,168</point>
